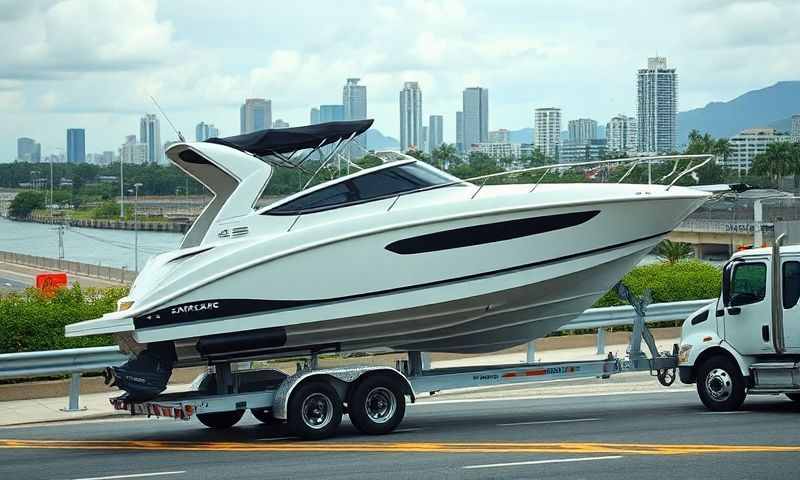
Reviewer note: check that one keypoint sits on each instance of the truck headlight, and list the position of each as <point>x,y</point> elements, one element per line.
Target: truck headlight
<point>683,353</point>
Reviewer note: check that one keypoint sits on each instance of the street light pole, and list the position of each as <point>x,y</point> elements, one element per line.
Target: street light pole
<point>121,190</point>
<point>136,227</point>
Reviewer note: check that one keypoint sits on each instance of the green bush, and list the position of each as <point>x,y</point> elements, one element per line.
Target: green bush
<point>30,321</point>
<point>670,282</point>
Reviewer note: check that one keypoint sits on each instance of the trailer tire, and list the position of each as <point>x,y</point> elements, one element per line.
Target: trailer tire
<point>220,419</point>
<point>314,411</point>
<point>264,415</point>
<point>794,397</point>
<point>720,384</point>
<point>377,404</point>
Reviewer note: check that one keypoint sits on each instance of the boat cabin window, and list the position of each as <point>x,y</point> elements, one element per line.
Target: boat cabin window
<point>376,185</point>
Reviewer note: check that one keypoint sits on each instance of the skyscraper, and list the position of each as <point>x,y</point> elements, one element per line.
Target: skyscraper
<point>476,116</point>
<point>547,125</point>
<point>582,130</point>
<point>28,150</point>
<point>205,130</point>
<point>435,132</point>
<point>314,116</point>
<point>150,134</point>
<point>255,114</point>
<point>354,99</point>
<point>411,117</point>
<point>500,136</point>
<point>460,132</point>
<point>657,106</point>
<point>132,151</point>
<point>621,134</point>
<point>331,113</point>
<point>76,145</point>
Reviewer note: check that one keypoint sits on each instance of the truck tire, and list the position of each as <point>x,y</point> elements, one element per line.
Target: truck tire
<point>377,405</point>
<point>264,415</point>
<point>220,419</point>
<point>720,384</point>
<point>794,397</point>
<point>314,411</point>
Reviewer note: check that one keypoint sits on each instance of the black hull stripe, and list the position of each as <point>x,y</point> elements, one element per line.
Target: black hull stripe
<point>489,233</point>
<point>236,307</point>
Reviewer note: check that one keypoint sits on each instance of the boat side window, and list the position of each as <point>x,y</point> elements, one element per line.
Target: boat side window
<point>376,185</point>
<point>749,284</point>
<point>791,284</point>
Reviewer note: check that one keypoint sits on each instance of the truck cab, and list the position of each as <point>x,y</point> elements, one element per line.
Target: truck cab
<point>748,341</point>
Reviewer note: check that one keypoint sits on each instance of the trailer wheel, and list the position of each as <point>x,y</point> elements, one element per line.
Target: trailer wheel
<point>314,411</point>
<point>377,405</point>
<point>264,415</point>
<point>794,397</point>
<point>220,419</point>
<point>720,384</point>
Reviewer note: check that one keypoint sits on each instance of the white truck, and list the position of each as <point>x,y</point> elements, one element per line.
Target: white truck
<point>748,341</point>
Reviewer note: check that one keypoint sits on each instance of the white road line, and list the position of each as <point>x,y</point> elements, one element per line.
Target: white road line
<point>548,397</point>
<point>734,412</point>
<point>134,475</point>
<point>542,462</point>
<point>542,422</point>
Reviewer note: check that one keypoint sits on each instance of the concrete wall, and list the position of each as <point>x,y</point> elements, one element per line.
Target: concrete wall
<point>85,269</point>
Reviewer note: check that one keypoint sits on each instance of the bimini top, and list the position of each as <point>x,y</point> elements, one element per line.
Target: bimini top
<point>285,140</point>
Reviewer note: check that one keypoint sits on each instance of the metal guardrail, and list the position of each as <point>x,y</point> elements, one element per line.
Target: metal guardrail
<point>80,360</point>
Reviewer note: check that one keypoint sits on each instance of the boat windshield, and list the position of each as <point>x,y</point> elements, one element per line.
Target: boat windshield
<point>376,185</point>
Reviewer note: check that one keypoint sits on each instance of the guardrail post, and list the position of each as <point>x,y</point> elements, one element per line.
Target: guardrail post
<point>601,341</point>
<point>530,357</point>
<point>74,394</point>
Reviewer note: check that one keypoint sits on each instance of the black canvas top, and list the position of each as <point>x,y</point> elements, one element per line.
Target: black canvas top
<point>285,140</point>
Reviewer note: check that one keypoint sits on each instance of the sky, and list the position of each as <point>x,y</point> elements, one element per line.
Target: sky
<point>94,63</point>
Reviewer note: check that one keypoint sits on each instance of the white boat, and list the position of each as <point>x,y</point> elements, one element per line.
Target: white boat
<point>401,256</point>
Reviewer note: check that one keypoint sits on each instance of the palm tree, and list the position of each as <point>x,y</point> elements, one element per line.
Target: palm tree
<point>776,162</point>
<point>444,155</point>
<point>672,252</point>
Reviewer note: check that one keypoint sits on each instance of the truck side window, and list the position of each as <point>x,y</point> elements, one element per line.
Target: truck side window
<point>749,284</point>
<point>791,284</point>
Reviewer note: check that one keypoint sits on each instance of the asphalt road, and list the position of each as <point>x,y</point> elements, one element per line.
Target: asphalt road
<point>621,436</point>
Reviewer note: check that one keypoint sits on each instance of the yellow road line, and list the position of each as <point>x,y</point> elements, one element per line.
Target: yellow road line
<point>403,447</point>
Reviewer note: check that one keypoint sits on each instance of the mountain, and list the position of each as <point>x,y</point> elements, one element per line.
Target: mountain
<point>523,135</point>
<point>378,141</point>
<point>783,125</point>
<point>758,108</point>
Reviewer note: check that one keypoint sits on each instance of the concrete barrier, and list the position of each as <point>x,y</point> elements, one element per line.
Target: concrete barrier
<point>113,274</point>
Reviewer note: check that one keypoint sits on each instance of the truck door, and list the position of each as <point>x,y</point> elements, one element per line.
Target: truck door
<point>791,310</point>
<point>748,311</point>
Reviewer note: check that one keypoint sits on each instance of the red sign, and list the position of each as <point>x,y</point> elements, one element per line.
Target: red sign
<point>48,283</point>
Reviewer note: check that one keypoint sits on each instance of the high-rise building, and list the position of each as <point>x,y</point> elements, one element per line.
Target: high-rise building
<point>108,157</point>
<point>255,114</point>
<point>150,135</point>
<point>657,106</point>
<point>582,130</point>
<point>411,117</point>
<point>133,151</point>
<point>582,151</point>
<point>500,136</point>
<point>796,128</point>
<point>76,145</point>
<point>28,150</point>
<point>747,144</point>
<point>205,130</point>
<point>621,134</point>
<point>460,133</point>
<point>475,116</point>
<point>547,126</point>
<point>498,150</point>
<point>314,116</point>
<point>354,99</point>
<point>331,113</point>
<point>435,132</point>
<point>280,123</point>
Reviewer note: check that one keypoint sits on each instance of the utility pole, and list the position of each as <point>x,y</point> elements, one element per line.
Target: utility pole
<point>121,190</point>
<point>136,227</point>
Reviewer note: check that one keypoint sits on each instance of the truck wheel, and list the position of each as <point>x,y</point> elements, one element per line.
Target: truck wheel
<point>794,396</point>
<point>377,405</point>
<point>264,415</point>
<point>315,411</point>
<point>720,384</point>
<point>220,419</point>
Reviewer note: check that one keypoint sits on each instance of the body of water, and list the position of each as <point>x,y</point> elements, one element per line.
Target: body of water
<point>88,245</point>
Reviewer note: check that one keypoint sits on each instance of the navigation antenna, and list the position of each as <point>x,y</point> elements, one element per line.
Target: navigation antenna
<point>177,132</point>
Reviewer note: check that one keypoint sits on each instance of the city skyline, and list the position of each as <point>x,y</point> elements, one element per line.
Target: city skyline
<point>47,87</point>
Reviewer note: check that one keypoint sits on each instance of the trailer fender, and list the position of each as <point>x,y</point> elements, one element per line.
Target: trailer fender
<point>703,349</point>
<point>340,378</point>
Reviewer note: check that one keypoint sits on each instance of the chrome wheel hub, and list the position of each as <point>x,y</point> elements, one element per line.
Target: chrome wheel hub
<point>719,385</point>
<point>380,404</point>
<point>317,411</point>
